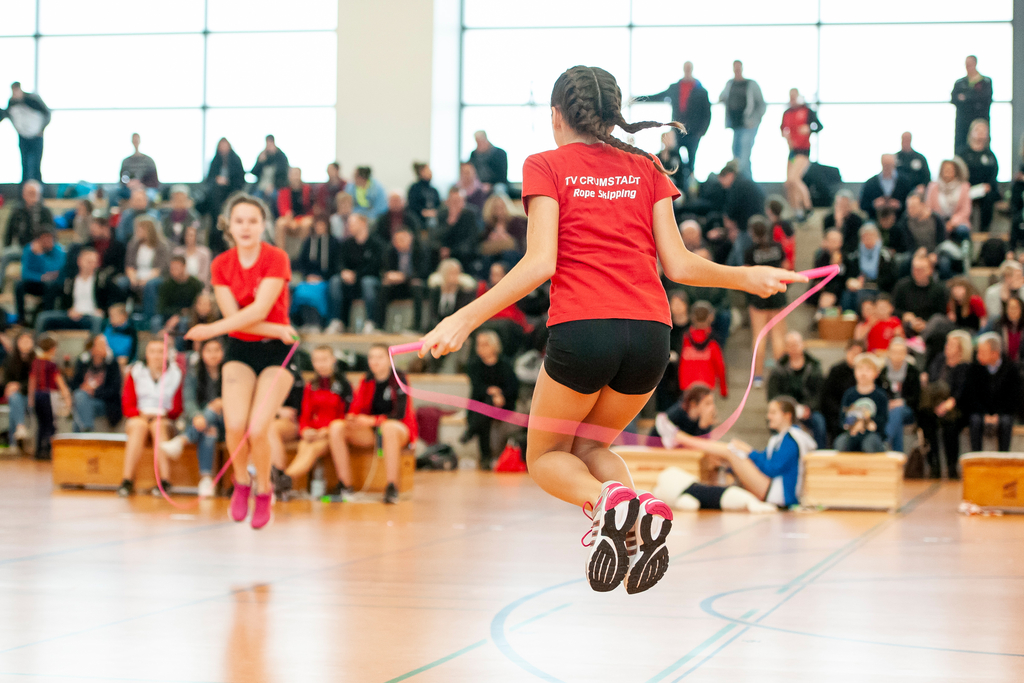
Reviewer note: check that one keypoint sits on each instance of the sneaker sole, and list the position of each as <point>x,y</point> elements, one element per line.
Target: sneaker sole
<point>652,554</point>
<point>609,557</point>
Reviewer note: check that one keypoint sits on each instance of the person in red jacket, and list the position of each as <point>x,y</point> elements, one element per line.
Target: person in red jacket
<point>381,415</point>
<point>294,210</point>
<point>701,358</point>
<point>149,391</point>
<point>782,231</point>
<point>798,122</point>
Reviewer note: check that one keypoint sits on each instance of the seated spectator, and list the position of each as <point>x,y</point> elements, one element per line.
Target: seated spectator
<point>493,381</point>
<point>111,254</point>
<point>798,375</point>
<point>344,205</point>
<point>327,193</point>
<point>362,255</point>
<point>369,197</point>
<point>380,406</point>
<point>204,311</point>
<point>1011,284</point>
<point>180,216</point>
<point>147,260</point>
<point>138,207</point>
<point>868,269</point>
<point>81,301</point>
<point>96,386</point>
<point>471,188</point>
<point>700,360</point>
<point>295,213</point>
<point>139,167</point>
<point>197,256</point>
<point>423,198</point>
<point>830,253</point>
<point>75,222</point>
<point>965,307</point>
<point>504,236</point>
<point>225,177</point>
<point>16,369</point>
<point>27,217</point>
<point>942,395</point>
<point>993,395</point>
<point>1010,328</point>
<point>764,251</point>
<point>844,218</point>
<point>175,298</point>
<point>406,269</point>
<point>864,410</point>
<point>887,189</point>
<point>919,228</point>
<point>839,379</point>
<point>120,334</point>
<point>319,265</point>
<point>982,171</point>
<point>885,222</point>
<point>44,379</point>
<point>918,297</point>
<point>41,263</point>
<point>782,231</point>
<point>717,297</point>
<point>912,163</point>
<point>396,218</point>
<point>692,234</point>
<point>883,325</point>
<point>694,414</point>
<point>949,196</point>
<point>901,381</point>
<point>203,412</point>
<point>448,294</point>
<point>489,162</point>
<point>510,323</point>
<point>149,391</point>
<point>668,391</point>
<point>457,233</point>
<point>271,171</point>
<point>866,320</point>
<point>743,200</point>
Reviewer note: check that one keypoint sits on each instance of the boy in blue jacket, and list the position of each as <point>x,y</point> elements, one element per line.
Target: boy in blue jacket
<point>41,262</point>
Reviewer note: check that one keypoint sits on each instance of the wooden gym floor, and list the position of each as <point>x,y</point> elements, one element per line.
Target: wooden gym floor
<point>479,578</point>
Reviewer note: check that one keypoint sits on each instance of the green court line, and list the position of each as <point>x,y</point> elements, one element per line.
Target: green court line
<point>695,652</point>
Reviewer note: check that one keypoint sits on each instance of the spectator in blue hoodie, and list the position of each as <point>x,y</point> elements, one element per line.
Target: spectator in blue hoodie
<point>121,336</point>
<point>41,263</point>
<point>370,198</point>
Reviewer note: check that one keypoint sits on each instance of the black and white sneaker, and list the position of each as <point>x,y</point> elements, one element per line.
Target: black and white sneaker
<point>126,488</point>
<point>390,494</point>
<point>615,513</point>
<point>156,489</point>
<point>281,482</point>
<point>650,562</point>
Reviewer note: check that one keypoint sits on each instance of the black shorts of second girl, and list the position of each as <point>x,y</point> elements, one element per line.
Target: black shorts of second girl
<point>258,355</point>
<point>628,356</point>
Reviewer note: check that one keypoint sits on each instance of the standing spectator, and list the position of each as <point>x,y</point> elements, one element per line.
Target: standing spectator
<point>16,369</point>
<point>29,116</point>
<point>912,163</point>
<point>25,220</point>
<point>362,255</point>
<point>406,269</point>
<point>457,231</point>
<point>175,297</point>
<point>493,381</point>
<point>147,260</point>
<point>868,269</point>
<point>692,108</point>
<point>369,197</point>
<point>901,381</point>
<point>965,308</point>
<point>320,260</point>
<point>888,189</point>
<point>839,379</point>
<point>918,297</point>
<point>197,257</point>
<point>138,167</point>
<point>798,122</point>
<point>798,375</point>
<point>327,193</point>
<point>397,217</point>
<point>471,187</point>
<point>1010,285</point>
<point>864,433</point>
<point>1010,328</point>
<point>993,392</point>
<point>225,177</point>
<point>44,379</point>
<point>982,171</point>
<point>764,252</point>
<point>180,216</point>
<point>700,357</point>
<point>972,97</point>
<point>744,107</point>
<point>41,262</point>
<point>743,200</point>
<point>942,395</point>
<point>271,171</point>
<point>448,295</point>
<point>204,412</point>
<point>96,386</point>
<point>490,162</point>
<point>295,213</point>
<point>423,199</point>
<point>82,299</point>
<point>844,218</point>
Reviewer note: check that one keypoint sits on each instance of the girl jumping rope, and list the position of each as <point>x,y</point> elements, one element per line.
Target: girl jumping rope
<point>250,283</point>
<point>600,218</point>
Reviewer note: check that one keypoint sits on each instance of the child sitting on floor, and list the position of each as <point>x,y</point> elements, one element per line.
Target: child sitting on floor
<point>863,426</point>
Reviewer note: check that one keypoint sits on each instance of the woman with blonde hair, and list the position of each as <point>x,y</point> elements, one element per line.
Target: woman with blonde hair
<point>949,195</point>
<point>147,260</point>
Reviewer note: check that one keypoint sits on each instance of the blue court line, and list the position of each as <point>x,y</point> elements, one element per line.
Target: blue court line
<point>697,650</point>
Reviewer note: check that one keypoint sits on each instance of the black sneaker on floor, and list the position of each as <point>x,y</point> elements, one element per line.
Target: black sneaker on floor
<point>341,491</point>
<point>390,494</point>
<point>156,489</point>
<point>126,488</point>
<point>281,482</point>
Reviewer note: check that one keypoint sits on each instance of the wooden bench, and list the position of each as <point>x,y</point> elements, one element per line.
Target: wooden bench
<point>362,460</point>
<point>868,481</point>
<point>646,463</point>
<point>994,480</point>
<point>97,461</point>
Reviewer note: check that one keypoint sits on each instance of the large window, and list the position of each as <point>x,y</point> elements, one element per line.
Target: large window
<point>872,69</point>
<point>181,73</point>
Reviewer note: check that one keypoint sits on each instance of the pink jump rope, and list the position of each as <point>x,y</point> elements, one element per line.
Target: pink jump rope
<point>597,432</point>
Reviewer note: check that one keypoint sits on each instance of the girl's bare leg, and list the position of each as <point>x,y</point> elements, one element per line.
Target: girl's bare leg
<point>336,438</point>
<point>136,428</point>
<point>309,453</point>
<point>268,398</point>
<point>394,436</point>
<point>238,383</point>
<point>749,477</point>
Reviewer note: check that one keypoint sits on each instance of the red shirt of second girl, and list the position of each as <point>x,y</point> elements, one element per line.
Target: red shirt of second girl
<point>607,258</point>
<point>272,262</point>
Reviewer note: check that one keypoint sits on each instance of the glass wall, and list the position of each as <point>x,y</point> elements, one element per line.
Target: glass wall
<point>872,68</point>
<point>181,73</point>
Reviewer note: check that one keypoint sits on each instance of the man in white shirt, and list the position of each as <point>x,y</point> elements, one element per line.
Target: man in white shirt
<point>83,300</point>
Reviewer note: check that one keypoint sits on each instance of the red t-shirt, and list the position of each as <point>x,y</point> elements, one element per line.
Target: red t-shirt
<point>607,260</point>
<point>272,262</point>
<point>792,120</point>
<point>45,372</point>
<point>882,332</point>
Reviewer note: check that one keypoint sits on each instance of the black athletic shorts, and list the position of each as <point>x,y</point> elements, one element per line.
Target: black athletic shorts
<point>630,356</point>
<point>258,355</point>
<point>794,153</point>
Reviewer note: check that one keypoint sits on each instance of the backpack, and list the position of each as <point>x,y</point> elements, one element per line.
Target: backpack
<point>993,252</point>
<point>440,456</point>
<point>914,469</point>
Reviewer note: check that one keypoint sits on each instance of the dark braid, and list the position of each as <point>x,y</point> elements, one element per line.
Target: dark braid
<point>590,102</point>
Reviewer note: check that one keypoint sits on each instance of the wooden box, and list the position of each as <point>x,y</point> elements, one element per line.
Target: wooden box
<point>646,463</point>
<point>97,460</point>
<point>869,481</point>
<point>835,328</point>
<point>362,464</point>
<point>994,480</point>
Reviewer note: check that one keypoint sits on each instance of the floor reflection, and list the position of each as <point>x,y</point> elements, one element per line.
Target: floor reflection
<point>246,653</point>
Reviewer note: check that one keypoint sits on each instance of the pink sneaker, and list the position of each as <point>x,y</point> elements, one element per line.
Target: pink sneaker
<point>614,516</point>
<point>261,511</point>
<point>651,562</point>
<point>240,502</point>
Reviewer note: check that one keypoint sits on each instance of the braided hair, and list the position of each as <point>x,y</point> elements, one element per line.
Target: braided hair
<point>591,103</point>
